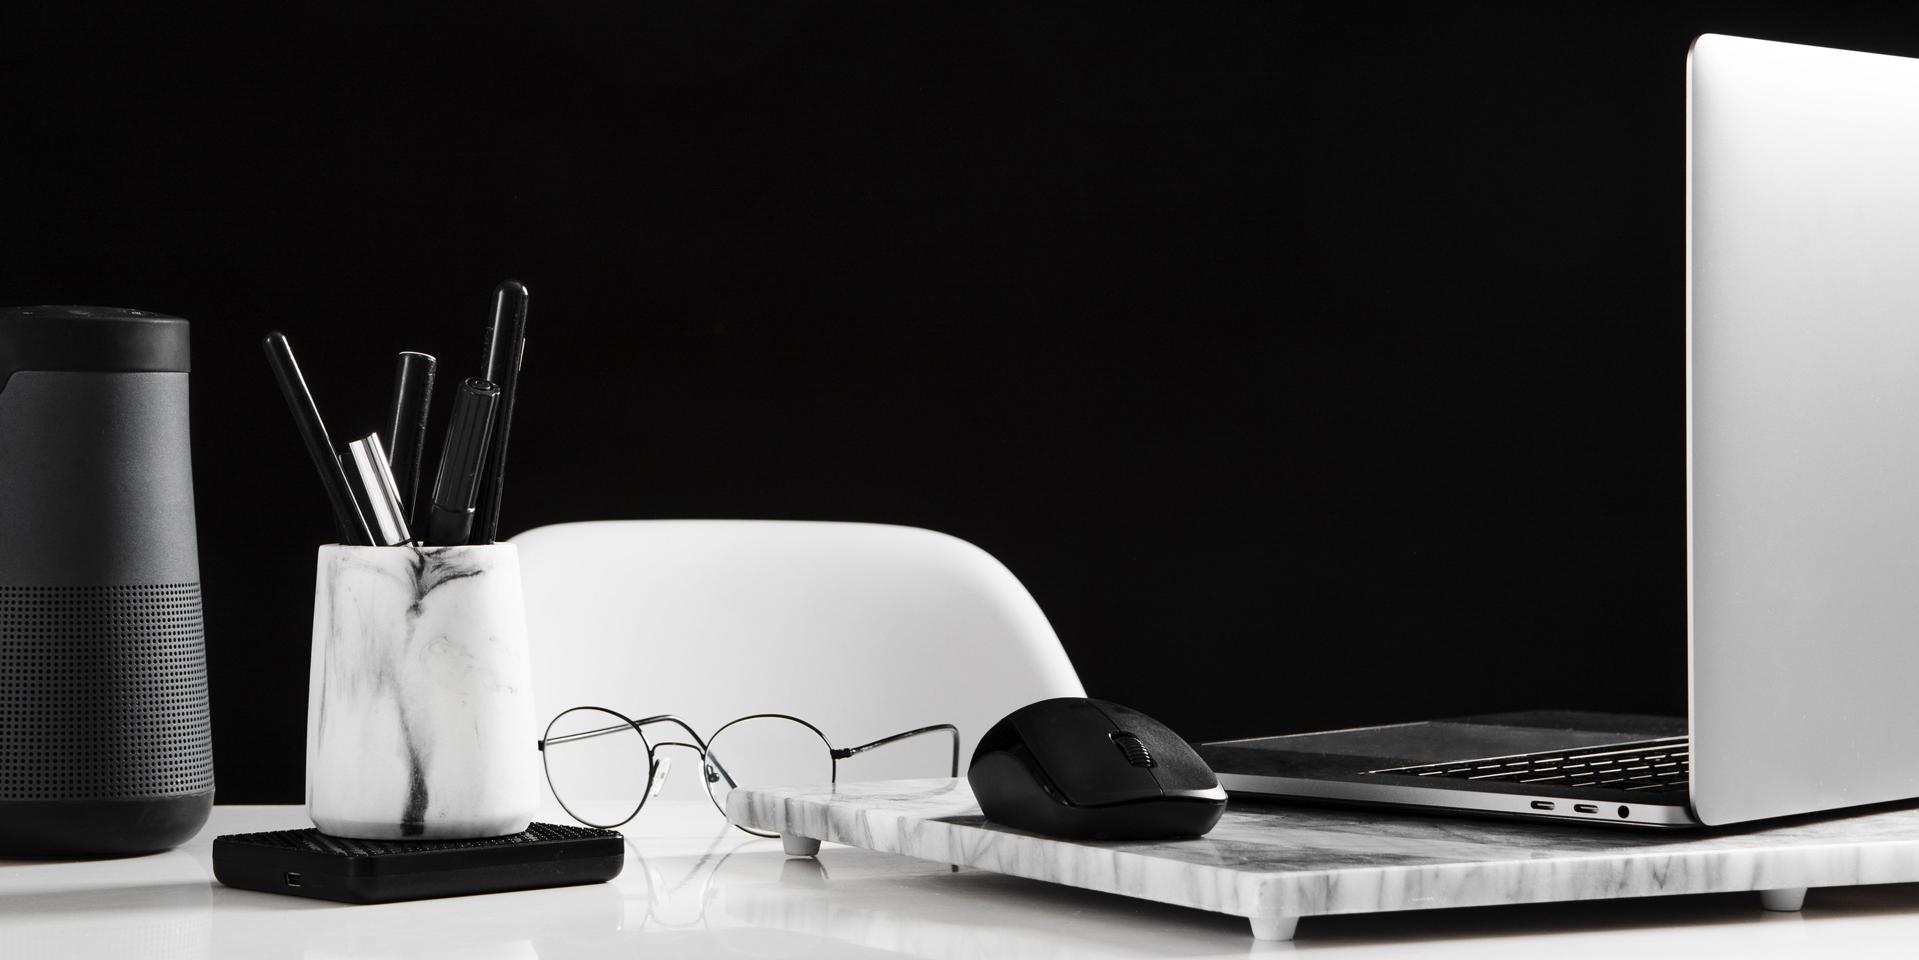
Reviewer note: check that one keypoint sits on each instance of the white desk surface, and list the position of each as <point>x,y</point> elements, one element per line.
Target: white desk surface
<point>694,888</point>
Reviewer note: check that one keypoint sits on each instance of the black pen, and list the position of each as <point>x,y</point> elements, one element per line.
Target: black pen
<point>450,516</point>
<point>293,386</point>
<point>505,350</point>
<point>405,433</point>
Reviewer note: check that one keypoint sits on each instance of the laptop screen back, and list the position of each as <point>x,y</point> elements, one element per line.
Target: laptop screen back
<point>1803,427</point>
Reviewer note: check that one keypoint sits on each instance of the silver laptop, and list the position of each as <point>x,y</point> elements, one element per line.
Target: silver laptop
<point>1802,492</point>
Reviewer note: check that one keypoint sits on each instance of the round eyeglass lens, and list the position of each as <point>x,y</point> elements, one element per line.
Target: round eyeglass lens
<point>597,766</point>
<point>765,752</point>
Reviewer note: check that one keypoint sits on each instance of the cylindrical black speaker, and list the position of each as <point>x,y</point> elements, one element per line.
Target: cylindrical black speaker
<point>104,741</point>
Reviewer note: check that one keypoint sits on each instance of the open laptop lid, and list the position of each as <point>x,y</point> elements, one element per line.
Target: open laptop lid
<point>1802,427</point>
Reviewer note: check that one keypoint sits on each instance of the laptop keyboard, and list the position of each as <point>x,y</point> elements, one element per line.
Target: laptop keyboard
<point>1654,766</point>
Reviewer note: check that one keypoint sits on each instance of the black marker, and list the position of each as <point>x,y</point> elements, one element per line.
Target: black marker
<point>505,349</point>
<point>405,432</point>
<point>293,386</point>
<point>450,517</point>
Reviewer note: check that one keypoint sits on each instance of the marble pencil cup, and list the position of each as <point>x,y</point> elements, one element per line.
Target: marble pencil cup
<point>420,714</point>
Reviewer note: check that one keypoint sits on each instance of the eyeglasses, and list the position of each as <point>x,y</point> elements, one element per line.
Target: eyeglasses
<point>592,753</point>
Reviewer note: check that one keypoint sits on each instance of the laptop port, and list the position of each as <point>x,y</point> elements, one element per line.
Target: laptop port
<point>1542,804</point>
<point>1586,807</point>
<point>1624,811</point>
<point>293,879</point>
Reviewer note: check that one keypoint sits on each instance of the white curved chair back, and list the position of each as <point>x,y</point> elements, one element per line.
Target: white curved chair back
<point>865,630</point>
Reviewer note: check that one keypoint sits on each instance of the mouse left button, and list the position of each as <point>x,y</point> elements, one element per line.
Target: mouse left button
<point>1069,741</point>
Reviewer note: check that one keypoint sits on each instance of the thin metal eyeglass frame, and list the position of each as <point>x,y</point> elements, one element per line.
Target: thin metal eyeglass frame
<point>652,756</point>
<point>712,769</point>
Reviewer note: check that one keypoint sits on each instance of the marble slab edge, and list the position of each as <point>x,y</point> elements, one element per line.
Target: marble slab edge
<point>927,819</point>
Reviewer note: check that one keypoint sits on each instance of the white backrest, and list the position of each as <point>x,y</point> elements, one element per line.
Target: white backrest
<point>865,630</point>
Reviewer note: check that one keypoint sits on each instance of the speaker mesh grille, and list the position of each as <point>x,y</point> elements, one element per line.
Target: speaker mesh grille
<point>103,692</point>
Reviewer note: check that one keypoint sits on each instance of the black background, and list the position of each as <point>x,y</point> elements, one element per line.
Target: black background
<point>1312,364</point>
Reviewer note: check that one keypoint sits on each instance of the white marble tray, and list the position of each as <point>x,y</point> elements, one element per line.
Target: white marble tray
<point>1274,864</point>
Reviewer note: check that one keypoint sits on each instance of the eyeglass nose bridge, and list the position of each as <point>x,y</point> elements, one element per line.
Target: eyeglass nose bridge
<point>662,765</point>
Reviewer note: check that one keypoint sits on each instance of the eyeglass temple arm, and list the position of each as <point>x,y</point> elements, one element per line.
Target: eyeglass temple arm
<point>841,753</point>
<point>698,743</point>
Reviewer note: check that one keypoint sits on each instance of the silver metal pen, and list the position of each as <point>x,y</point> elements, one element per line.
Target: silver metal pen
<point>373,484</point>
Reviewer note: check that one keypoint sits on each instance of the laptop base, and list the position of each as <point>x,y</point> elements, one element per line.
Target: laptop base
<point>1359,766</point>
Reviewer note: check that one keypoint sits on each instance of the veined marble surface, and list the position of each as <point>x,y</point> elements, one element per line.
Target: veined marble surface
<point>420,719</point>
<point>695,888</point>
<point>1275,861</point>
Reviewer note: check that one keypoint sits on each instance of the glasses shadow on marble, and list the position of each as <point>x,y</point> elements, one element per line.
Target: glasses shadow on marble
<point>593,753</point>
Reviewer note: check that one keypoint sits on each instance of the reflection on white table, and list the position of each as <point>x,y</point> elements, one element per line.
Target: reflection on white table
<point>694,887</point>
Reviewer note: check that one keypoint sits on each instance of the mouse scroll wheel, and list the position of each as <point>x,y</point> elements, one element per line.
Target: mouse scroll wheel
<point>1134,751</point>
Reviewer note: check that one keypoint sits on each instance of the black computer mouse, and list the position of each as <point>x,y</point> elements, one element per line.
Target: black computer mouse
<point>1091,770</point>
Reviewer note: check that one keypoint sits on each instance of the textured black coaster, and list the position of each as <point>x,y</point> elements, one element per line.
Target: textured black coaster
<point>308,863</point>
